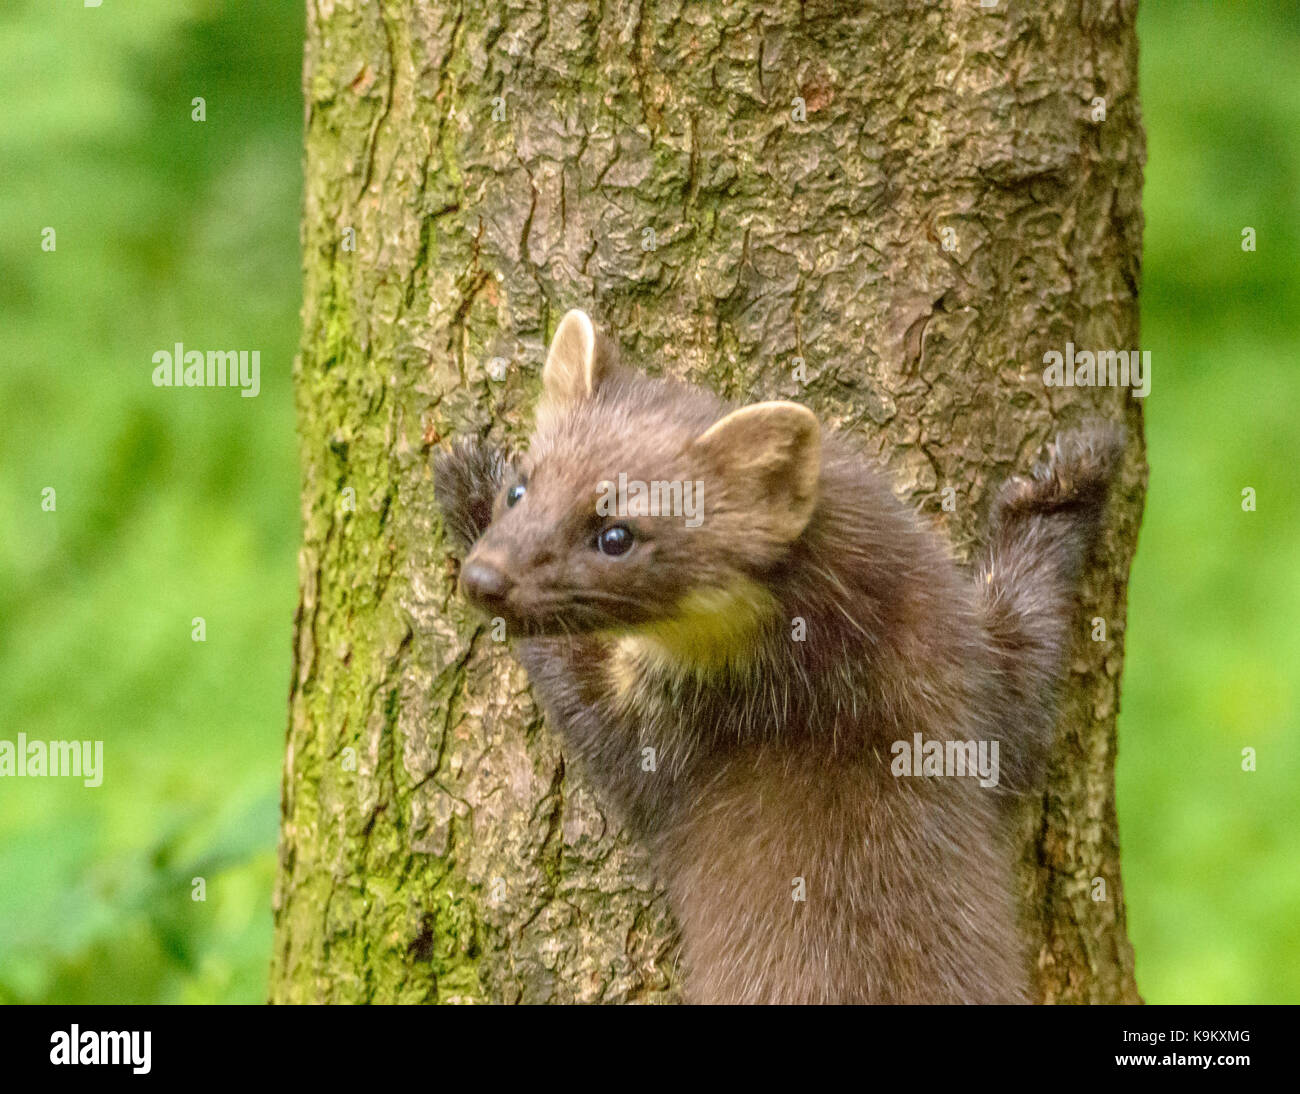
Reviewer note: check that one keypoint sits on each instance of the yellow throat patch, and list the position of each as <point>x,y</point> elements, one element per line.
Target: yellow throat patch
<point>711,632</point>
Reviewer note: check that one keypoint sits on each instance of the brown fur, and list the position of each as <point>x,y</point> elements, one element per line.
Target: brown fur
<point>773,761</point>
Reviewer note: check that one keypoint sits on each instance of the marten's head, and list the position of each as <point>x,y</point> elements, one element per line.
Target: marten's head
<point>643,507</point>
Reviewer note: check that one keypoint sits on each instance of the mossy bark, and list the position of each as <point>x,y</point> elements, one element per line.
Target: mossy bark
<point>915,201</point>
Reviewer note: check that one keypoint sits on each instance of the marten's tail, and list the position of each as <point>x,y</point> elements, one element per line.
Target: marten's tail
<point>1040,531</point>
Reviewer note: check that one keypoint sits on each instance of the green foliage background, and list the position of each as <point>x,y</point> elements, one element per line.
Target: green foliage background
<point>174,504</point>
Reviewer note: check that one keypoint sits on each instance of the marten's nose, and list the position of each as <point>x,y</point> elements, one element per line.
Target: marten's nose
<point>484,581</point>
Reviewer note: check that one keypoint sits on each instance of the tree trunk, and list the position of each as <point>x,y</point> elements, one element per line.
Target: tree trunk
<point>915,202</point>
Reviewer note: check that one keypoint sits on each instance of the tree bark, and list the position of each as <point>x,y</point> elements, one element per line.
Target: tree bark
<point>916,201</point>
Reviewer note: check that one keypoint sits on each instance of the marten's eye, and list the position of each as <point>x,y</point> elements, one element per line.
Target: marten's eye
<point>515,493</point>
<point>615,540</point>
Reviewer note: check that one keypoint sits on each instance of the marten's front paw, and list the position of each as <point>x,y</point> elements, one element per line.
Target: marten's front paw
<point>466,479</point>
<point>1076,471</point>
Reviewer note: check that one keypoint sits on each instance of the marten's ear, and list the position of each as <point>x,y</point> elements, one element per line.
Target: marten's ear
<point>575,364</point>
<point>768,458</point>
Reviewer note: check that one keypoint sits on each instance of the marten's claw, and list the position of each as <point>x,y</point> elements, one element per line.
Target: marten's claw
<point>466,480</point>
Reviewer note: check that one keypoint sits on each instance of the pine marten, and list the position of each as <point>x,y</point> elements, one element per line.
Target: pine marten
<point>745,687</point>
